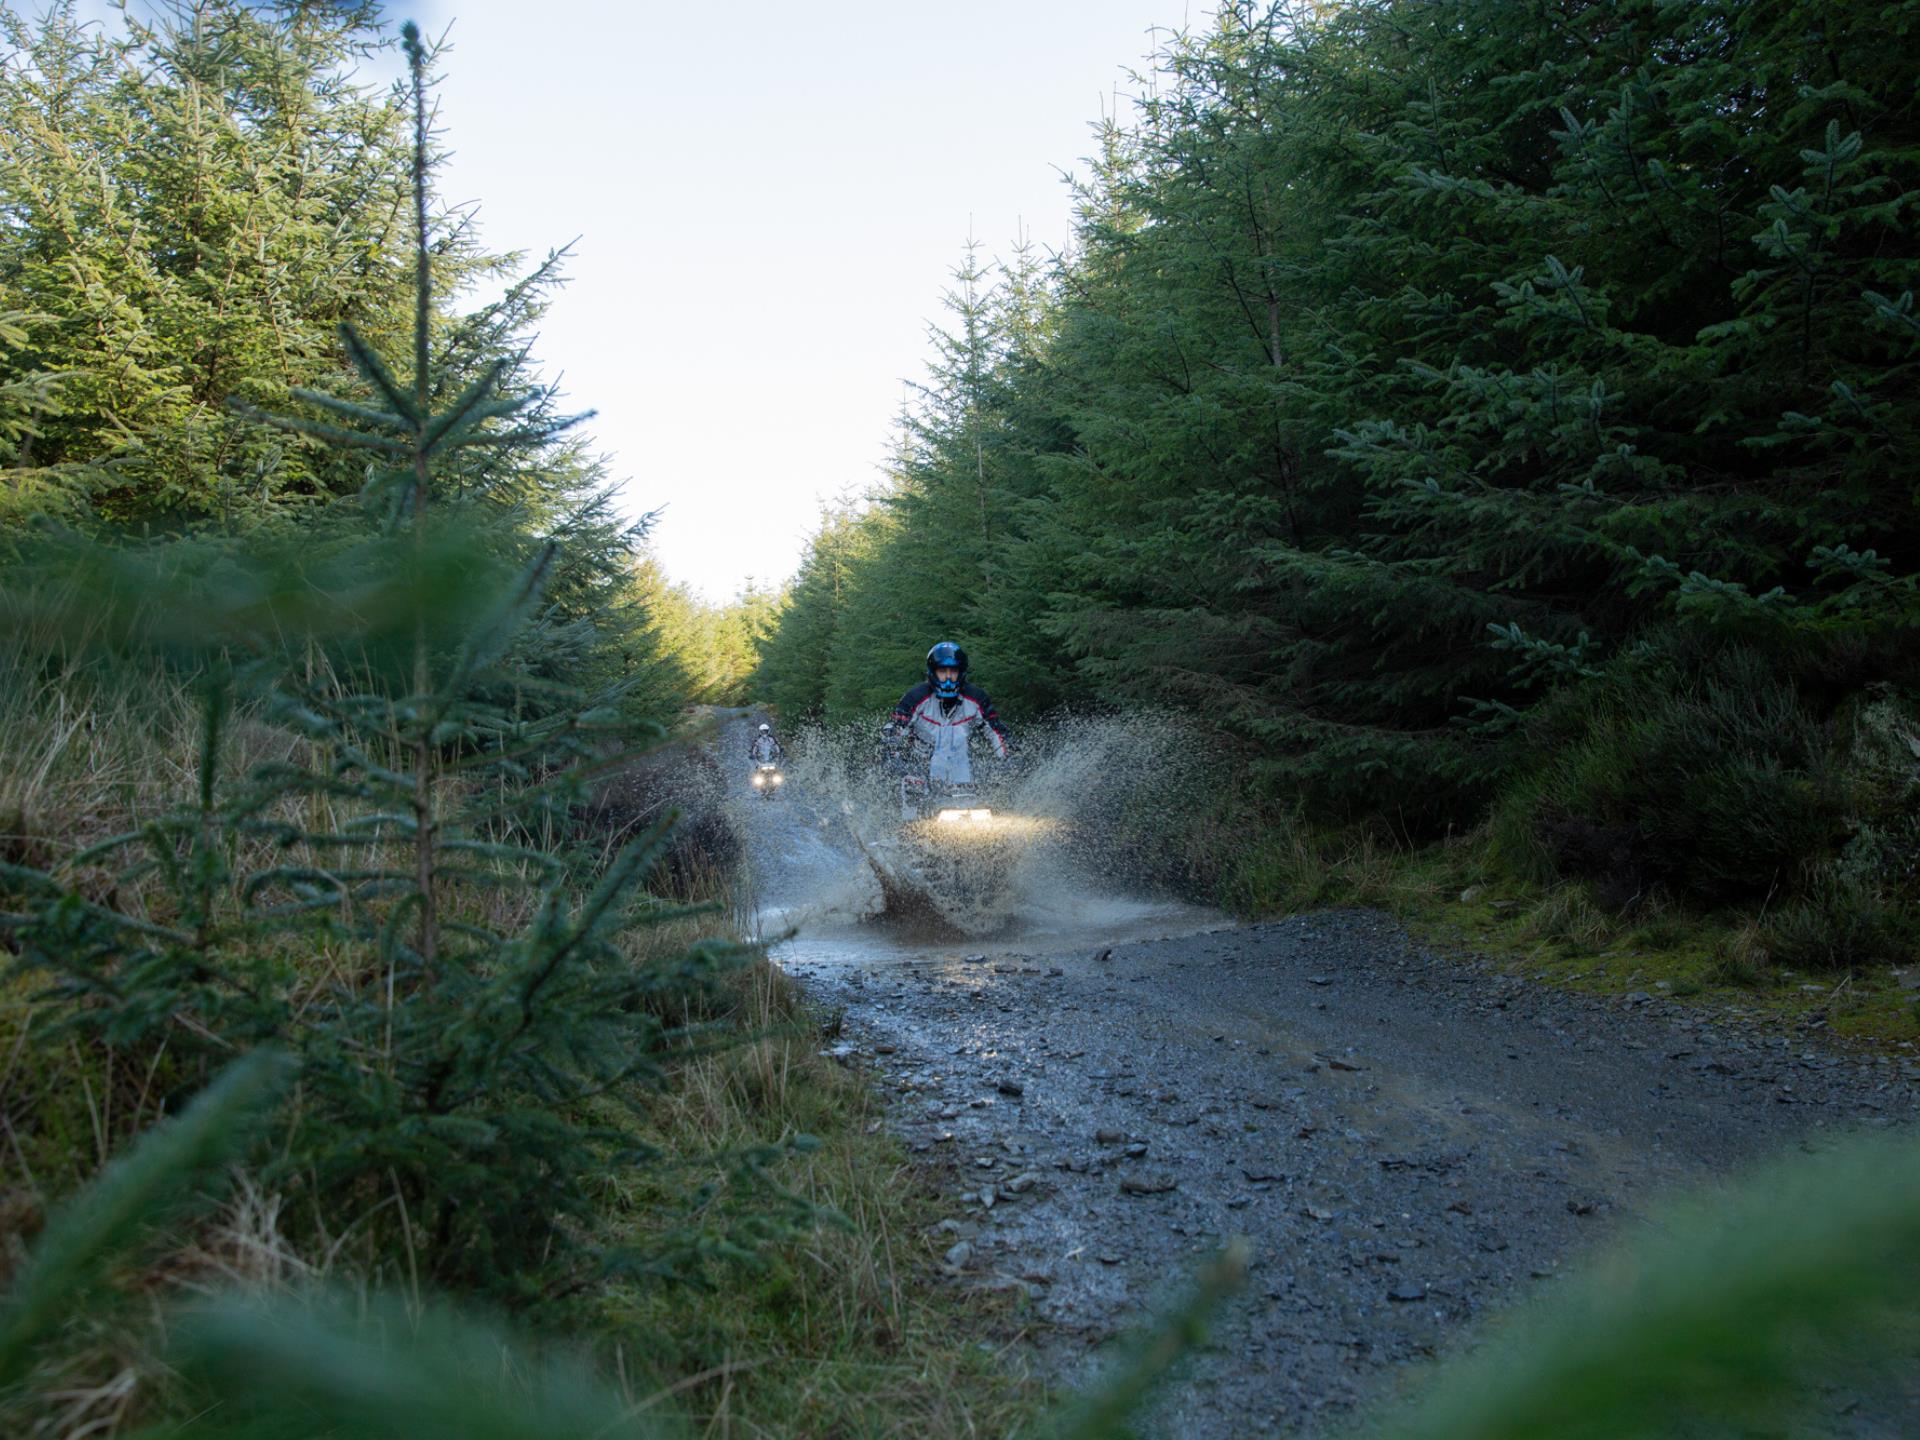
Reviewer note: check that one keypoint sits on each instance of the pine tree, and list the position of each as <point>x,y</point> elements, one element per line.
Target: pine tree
<point>1417,366</point>
<point>797,657</point>
<point>464,999</point>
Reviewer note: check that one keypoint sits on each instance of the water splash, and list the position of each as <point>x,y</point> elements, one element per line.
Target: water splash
<point>1083,808</point>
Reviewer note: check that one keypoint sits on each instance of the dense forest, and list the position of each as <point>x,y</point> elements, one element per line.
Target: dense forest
<point>194,206</point>
<point>1481,424</point>
<point>348,937</point>
<point>1494,417</point>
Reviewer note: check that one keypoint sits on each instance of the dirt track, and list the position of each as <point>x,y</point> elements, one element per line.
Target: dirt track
<point>1408,1140</point>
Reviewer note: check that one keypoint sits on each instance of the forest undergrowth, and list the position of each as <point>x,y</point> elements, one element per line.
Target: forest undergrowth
<point>708,1303</point>
<point>1740,854</point>
<point>1774,970</point>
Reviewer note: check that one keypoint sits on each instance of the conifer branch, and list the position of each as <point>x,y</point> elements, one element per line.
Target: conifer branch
<point>137,1192</point>
<point>332,434</point>
<point>471,405</point>
<point>373,367</point>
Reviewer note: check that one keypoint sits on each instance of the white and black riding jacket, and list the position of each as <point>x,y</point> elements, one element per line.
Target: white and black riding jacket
<point>944,726</point>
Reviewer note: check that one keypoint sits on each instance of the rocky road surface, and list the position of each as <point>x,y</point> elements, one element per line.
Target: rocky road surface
<point>1408,1140</point>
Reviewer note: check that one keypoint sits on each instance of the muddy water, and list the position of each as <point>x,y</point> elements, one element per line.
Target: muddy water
<point>1110,1085</point>
<point>820,849</point>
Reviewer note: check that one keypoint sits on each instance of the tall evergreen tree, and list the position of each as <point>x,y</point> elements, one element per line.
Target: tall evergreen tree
<point>1419,363</point>
<point>192,206</point>
<point>385,898</point>
<point>797,656</point>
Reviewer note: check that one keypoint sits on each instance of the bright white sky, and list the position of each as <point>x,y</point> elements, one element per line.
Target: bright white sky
<point>768,197</point>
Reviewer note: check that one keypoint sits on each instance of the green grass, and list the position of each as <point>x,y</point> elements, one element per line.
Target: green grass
<point>1716,961</point>
<point>854,1332</point>
<point>1451,895</point>
<point>851,1331</point>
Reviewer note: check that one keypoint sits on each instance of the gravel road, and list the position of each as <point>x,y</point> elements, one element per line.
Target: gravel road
<point>1409,1140</point>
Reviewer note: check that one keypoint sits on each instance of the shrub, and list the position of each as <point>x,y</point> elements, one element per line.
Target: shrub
<point>1713,779</point>
<point>1882,853</point>
<point>1835,926</point>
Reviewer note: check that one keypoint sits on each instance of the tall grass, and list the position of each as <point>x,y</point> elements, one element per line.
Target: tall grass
<point>843,1323</point>
<point>1283,863</point>
<point>848,1331</point>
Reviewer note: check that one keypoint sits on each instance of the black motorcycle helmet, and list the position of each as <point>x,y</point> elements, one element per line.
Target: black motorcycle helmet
<point>941,655</point>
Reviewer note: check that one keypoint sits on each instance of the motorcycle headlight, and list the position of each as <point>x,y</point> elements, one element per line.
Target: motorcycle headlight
<point>759,779</point>
<point>779,779</point>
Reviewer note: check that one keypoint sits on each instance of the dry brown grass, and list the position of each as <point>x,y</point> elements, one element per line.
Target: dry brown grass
<point>850,1331</point>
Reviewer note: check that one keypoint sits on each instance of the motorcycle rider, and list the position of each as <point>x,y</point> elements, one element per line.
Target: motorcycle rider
<point>764,749</point>
<point>942,712</point>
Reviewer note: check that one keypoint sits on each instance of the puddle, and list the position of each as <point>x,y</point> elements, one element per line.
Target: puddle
<point>1402,1156</point>
<point>818,853</point>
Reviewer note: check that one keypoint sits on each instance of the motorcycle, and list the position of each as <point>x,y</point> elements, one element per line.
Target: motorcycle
<point>954,853</point>
<point>767,779</point>
<point>943,802</point>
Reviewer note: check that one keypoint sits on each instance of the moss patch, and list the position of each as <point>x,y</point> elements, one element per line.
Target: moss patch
<point>1715,961</point>
<point>1725,961</point>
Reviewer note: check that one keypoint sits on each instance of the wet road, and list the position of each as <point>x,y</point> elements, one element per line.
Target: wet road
<point>1114,1086</point>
